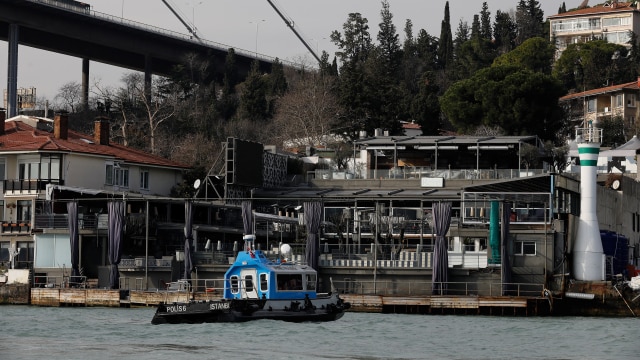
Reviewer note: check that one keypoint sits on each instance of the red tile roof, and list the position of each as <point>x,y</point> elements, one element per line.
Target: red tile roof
<point>597,9</point>
<point>21,137</point>
<point>609,89</point>
<point>411,125</point>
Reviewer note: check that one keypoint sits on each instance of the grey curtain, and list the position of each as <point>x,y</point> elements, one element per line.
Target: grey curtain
<point>72,211</point>
<point>505,265</point>
<point>247,219</point>
<point>116,225</point>
<point>312,219</point>
<point>440,265</point>
<point>188,224</point>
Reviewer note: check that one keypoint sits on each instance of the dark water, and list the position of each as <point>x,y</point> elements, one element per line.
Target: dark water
<point>29,332</point>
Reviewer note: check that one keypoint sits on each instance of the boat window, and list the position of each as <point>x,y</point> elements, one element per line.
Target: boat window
<point>311,281</point>
<point>289,281</point>
<point>263,282</point>
<point>248,283</point>
<point>234,284</point>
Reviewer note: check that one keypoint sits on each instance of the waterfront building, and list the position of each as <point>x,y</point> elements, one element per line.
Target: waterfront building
<point>377,231</point>
<point>611,21</point>
<point>45,165</point>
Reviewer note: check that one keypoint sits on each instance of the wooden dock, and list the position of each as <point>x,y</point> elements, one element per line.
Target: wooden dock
<point>470,305</point>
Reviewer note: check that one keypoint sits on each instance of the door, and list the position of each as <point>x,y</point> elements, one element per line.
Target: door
<point>248,287</point>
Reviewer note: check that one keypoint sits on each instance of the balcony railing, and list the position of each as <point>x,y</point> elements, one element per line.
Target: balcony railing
<point>420,172</point>
<point>61,221</point>
<point>27,186</point>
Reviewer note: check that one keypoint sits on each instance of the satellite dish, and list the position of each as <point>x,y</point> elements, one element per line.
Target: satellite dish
<point>196,184</point>
<point>615,185</point>
<point>285,249</point>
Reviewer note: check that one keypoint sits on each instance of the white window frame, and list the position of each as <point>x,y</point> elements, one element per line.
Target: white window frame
<point>234,284</point>
<point>619,100</point>
<point>522,248</point>
<point>144,179</point>
<point>631,100</point>
<point>116,175</point>
<point>591,105</point>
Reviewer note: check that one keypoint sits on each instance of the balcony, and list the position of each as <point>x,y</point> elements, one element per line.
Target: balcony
<point>15,228</point>
<point>27,187</point>
<point>61,221</point>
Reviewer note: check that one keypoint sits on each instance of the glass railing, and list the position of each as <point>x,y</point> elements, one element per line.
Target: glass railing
<point>423,172</point>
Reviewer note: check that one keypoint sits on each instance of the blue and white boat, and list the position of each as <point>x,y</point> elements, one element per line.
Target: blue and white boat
<point>258,288</point>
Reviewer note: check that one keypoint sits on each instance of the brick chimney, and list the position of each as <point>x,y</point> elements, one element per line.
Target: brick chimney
<point>61,126</point>
<point>101,131</point>
<point>2,119</point>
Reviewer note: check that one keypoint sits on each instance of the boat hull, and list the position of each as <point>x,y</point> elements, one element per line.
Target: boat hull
<point>212,311</point>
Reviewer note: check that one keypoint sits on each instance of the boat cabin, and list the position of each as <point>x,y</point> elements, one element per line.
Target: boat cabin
<point>254,276</point>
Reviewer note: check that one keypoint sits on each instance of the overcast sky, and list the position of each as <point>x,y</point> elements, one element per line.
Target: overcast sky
<point>252,25</point>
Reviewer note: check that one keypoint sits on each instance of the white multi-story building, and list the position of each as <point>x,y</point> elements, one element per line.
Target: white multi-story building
<point>612,21</point>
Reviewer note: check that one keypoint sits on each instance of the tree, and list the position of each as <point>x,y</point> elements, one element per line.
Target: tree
<point>253,99</point>
<point>557,156</point>
<point>612,131</point>
<point>70,95</point>
<point>485,22</point>
<point>355,43</point>
<point>535,54</point>
<point>306,115</point>
<point>504,31</point>
<point>425,107</point>
<point>354,47</point>
<point>530,20</point>
<point>508,97</point>
<point>445,45</point>
<point>142,115</point>
<point>228,100</point>
<point>594,64</point>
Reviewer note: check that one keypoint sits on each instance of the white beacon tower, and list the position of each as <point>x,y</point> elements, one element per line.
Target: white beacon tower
<point>588,256</point>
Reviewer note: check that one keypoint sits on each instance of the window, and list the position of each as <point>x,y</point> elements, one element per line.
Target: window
<point>591,105</point>
<point>29,171</point>
<point>234,284</point>
<point>248,283</point>
<point>109,175</point>
<point>2,169</point>
<point>4,252</point>
<point>525,248</point>
<point>116,175</point>
<point>264,283</point>
<point>24,260</point>
<point>619,100</point>
<point>144,179</point>
<point>24,211</point>
<point>50,167</point>
<point>311,282</point>
<point>616,21</point>
<point>631,100</point>
<point>289,281</point>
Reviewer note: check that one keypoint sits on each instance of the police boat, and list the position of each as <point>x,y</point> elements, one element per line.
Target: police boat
<point>258,288</point>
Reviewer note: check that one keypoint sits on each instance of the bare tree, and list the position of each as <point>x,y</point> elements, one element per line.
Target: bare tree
<point>141,115</point>
<point>69,96</point>
<point>305,116</point>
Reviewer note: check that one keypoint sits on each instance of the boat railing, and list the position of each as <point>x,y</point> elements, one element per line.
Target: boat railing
<point>425,287</point>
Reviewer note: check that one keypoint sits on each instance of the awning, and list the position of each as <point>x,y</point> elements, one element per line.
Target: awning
<point>276,218</point>
<point>51,187</point>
